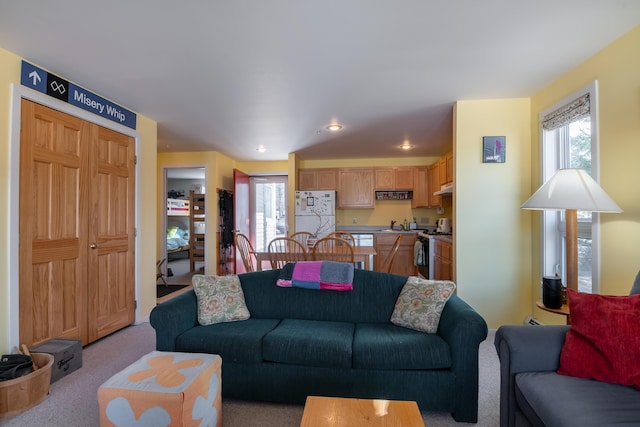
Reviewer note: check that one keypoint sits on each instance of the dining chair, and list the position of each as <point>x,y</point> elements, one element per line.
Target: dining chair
<point>387,264</point>
<point>159,272</point>
<point>302,236</point>
<point>244,246</point>
<point>333,249</point>
<point>343,235</point>
<point>285,249</point>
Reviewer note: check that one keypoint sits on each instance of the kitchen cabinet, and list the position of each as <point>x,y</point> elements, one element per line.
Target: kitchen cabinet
<point>404,257</point>
<point>356,188</point>
<point>442,170</point>
<point>421,187</point>
<point>449,165</point>
<point>445,165</point>
<point>317,179</point>
<point>395,178</point>
<point>434,180</point>
<point>443,260</point>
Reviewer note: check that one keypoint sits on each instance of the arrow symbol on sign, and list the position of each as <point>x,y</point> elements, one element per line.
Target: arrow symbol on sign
<point>35,77</point>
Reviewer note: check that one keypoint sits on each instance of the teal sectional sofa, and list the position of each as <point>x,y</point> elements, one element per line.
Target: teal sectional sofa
<point>299,342</point>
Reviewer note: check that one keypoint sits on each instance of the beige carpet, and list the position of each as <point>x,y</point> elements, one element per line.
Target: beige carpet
<point>72,401</point>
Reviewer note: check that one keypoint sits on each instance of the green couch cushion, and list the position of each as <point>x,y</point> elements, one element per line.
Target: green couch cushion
<point>310,343</point>
<point>238,342</point>
<point>379,346</point>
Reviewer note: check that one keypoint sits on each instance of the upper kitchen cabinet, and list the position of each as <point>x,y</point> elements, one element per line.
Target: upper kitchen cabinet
<point>445,164</point>
<point>394,178</point>
<point>317,179</point>
<point>434,180</point>
<point>421,188</point>
<point>356,188</point>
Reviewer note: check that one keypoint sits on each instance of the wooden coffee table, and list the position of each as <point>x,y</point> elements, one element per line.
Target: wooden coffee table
<point>320,411</point>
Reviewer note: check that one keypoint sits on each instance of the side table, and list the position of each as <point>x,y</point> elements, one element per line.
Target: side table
<point>563,310</point>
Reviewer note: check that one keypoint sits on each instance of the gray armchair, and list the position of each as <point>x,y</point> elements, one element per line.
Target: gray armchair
<point>533,394</point>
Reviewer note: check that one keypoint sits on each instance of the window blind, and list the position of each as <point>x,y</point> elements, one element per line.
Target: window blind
<point>568,113</point>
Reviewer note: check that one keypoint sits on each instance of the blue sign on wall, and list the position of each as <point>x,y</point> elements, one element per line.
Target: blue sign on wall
<point>38,79</point>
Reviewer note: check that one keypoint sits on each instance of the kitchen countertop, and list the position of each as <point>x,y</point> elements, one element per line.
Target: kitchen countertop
<point>372,229</point>
<point>443,237</point>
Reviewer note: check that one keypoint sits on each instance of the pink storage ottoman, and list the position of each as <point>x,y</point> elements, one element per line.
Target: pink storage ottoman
<point>164,389</point>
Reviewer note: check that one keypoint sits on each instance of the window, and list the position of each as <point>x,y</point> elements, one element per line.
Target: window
<point>269,216</point>
<point>569,140</point>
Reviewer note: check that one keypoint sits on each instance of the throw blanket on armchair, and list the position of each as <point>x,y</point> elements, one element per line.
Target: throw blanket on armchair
<point>323,275</point>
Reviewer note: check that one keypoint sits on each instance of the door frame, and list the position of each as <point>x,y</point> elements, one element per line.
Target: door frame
<point>163,208</point>
<point>17,94</point>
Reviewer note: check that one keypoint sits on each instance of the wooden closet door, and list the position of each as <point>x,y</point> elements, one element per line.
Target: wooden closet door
<point>77,211</point>
<point>110,275</point>
<point>53,225</point>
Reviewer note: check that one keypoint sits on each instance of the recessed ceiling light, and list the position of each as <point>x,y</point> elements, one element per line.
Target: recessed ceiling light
<point>406,146</point>
<point>261,149</point>
<point>334,127</point>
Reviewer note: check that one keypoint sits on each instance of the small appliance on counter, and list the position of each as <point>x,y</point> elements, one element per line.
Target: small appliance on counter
<point>444,225</point>
<point>413,225</point>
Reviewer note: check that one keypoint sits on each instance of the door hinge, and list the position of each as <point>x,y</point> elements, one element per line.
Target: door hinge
<point>135,303</point>
<point>135,231</point>
<point>135,160</point>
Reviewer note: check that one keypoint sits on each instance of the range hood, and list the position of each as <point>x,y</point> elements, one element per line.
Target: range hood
<point>444,189</point>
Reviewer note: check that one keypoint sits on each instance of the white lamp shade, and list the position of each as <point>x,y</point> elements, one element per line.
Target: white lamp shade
<point>571,189</point>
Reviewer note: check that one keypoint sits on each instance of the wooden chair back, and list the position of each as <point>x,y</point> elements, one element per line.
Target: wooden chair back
<point>333,249</point>
<point>343,235</point>
<point>285,249</point>
<point>302,236</point>
<point>245,248</point>
<point>388,262</point>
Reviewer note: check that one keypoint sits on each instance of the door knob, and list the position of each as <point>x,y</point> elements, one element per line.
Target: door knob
<point>93,246</point>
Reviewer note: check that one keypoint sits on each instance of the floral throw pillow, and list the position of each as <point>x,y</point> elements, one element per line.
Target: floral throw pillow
<point>420,304</point>
<point>220,299</point>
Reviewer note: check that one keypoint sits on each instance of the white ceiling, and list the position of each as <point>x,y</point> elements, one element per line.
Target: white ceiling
<point>233,75</point>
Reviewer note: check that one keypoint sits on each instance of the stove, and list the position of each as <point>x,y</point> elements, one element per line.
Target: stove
<point>428,240</point>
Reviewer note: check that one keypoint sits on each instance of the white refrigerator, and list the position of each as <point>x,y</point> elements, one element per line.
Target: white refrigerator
<point>316,212</point>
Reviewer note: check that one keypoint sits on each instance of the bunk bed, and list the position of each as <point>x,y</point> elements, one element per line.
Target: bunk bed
<point>178,212</point>
<point>197,220</point>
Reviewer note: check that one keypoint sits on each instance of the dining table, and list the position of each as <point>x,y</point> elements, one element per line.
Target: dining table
<point>361,254</point>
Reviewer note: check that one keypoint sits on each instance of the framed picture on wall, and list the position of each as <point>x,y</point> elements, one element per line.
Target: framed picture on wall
<point>493,149</point>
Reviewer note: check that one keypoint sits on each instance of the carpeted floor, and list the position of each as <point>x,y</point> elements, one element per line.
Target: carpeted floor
<point>164,290</point>
<point>73,402</point>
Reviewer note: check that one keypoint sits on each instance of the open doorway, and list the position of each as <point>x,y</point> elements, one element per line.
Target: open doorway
<point>269,214</point>
<point>183,228</point>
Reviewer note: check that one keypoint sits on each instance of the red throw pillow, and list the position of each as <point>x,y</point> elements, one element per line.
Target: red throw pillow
<point>604,340</point>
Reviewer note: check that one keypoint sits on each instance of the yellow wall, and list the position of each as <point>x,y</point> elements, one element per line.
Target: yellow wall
<point>10,65</point>
<point>616,70</point>
<point>264,168</point>
<point>492,235</point>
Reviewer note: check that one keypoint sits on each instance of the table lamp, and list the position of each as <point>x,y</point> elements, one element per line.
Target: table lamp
<point>571,190</point>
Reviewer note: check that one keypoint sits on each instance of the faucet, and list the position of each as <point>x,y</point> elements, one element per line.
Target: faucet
<point>392,224</point>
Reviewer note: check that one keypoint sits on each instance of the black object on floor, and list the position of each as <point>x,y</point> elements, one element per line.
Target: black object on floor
<point>162,290</point>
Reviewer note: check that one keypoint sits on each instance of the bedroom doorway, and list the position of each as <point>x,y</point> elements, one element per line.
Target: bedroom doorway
<point>180,234</point>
